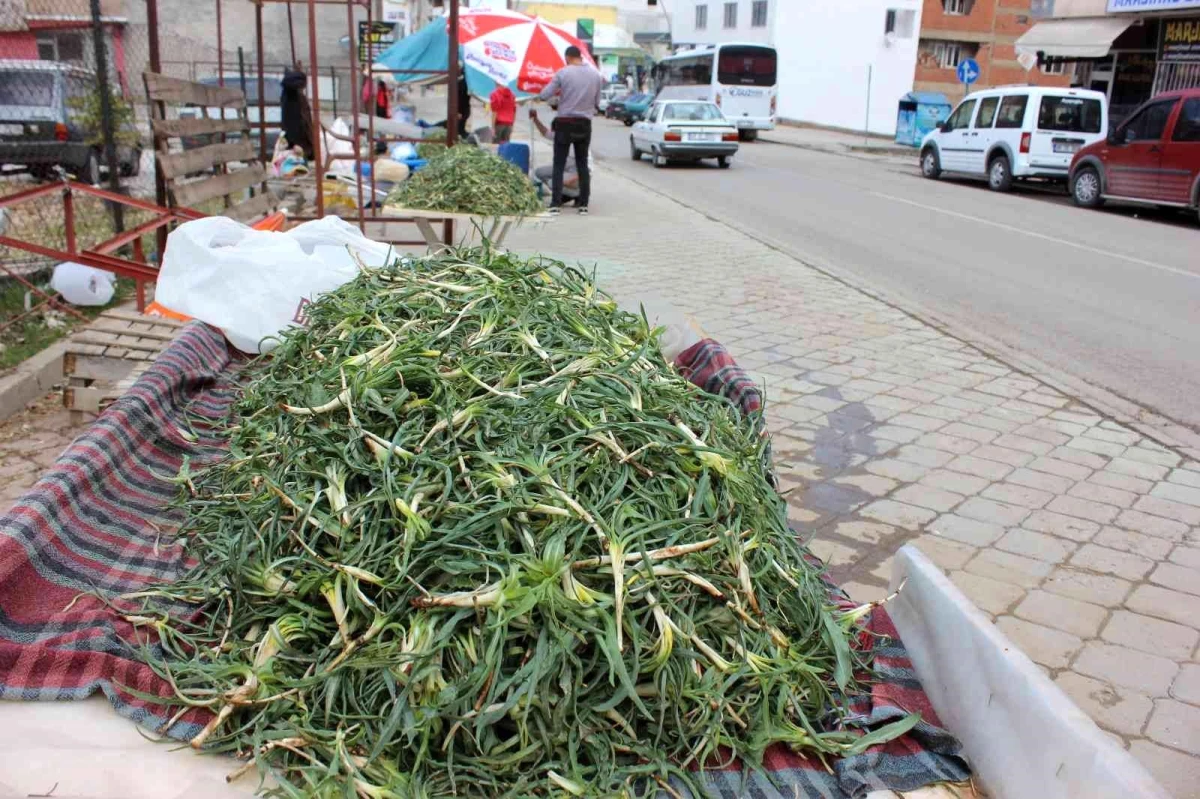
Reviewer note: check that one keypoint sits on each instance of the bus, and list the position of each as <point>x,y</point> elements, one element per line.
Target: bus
<point>740,78</point>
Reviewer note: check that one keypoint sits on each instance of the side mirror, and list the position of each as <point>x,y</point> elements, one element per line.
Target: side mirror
<point>944,126</point>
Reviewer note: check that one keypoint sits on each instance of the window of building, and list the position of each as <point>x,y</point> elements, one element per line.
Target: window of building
<point>956,8</point>
<point>758,14</point>
<point>701,17</point>
<point>987,112</point>
<point>1187,127</point>
<point>948,54</point>
<point>731,15</point>
<point>1054,68</point>
<point>900,22</point>
<point>1012,111</point>
<point>62,46</point>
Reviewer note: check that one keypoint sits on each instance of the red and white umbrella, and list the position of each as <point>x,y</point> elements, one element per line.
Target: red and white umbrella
<point>514,49</point>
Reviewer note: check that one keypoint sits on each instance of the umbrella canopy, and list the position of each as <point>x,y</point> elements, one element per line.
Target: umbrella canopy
<point>496,47</point>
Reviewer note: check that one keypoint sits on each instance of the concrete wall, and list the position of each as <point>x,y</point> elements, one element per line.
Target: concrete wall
<point>823,69</point>
<point>567,13</point>
<point>683,21</point>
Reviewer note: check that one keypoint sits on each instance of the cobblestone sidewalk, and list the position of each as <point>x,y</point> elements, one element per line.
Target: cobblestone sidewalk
<point>1079,537</point>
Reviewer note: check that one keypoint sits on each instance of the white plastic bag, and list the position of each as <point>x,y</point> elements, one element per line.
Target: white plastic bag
<point>252,284</point>
<point>83,285</point>
<point>331,146</point>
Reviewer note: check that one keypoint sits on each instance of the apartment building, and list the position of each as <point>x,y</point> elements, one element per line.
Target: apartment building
<point>986,31</point>
<point>697,22</point>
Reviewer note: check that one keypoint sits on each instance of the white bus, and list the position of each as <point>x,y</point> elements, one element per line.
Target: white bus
<point>738,77</point>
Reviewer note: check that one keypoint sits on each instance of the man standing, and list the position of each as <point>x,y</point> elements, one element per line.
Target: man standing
<point>577,87</point>
<point>545,174</point>
<point>504,112</point>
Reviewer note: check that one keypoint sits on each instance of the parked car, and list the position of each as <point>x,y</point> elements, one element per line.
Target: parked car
<point>1015,132</point>
<point>1151,157</point>
<point>632,108</point>
<point>40,121</point>
<point>608,95</point>
<point>684,130</point>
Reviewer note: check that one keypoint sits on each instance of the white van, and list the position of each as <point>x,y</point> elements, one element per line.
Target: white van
<point>1013,132</point>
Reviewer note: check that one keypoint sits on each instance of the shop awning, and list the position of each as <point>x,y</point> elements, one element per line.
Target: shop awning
<point>1085,37</point>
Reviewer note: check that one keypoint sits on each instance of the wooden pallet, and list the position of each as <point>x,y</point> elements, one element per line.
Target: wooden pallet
<point>104,359</point>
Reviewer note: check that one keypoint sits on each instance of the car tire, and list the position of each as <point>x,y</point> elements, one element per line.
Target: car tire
<point>628,123</point>
<point>723,161</point>
<point>634,152</point>
<point>1085,188</point>
<point>931,165</point>
<point>90,173</point>
<point>660,160</point>
<point>999,174</point>
<point>747,135</point>
<point>134,167</point>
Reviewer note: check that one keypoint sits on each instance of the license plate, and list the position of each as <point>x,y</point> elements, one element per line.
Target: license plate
<point>702,137</point>
<point>11,130</point>
<point>1066,147</point>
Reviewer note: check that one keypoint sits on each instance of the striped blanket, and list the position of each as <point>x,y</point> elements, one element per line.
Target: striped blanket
<point>97,526</point>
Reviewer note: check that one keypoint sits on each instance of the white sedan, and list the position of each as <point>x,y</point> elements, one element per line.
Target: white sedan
<point>684,130</point>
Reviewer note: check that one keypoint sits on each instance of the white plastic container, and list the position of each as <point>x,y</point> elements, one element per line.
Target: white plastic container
<point>83,285</point>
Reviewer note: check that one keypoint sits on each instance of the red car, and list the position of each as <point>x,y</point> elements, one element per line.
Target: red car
<point>1152,157</point>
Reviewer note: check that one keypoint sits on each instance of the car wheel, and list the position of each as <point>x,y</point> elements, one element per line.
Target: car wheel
<point>91,170</point>
<point>931,165</point>
<point>723,161</point>
<point>134,167</point>
<point>634,152</point>
<point>747,135</point>
<point>629,123</point>
<point>1085,188</point>
<point>1000,174</point>
<point>660,160</point>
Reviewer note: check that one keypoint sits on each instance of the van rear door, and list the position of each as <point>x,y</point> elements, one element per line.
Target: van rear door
<point>1065,124</point>
<point>29,105</point>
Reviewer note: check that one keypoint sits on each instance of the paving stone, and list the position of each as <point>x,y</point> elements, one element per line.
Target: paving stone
<point>1023,443</point>
<point>904,471</point>
<point>1146,471</point>
<point>821,403</point>
<point>944,552</point>
<point>834,554</point>
<point>1163,603</point>
<point>1061,613</point>
<point>934,412</point>
<point>1104,494</point>
<point>1108,449</point>
<point>1098,589</point>
<point>979,467</point>
<point>1186,556</point>
<point>1009,568</point>
<point>1084,509</point>
<point>1181,578</point>
<point>1178,773</point>
<point>918,421</point>
<point>1187,685</point>
<point>1043,481</point>
<point>968,531</point>
<point>1121,710</point>
<point>1175,492</point>
<point>1060,468</point>
<point>955,481</point>
<point>899,514</point>
<point>1120,665</point>
<point>1122,481</point>
<point>990,596</point>
<point>1156,526</point>
<point>1111,561</point>
<point>895,433</point>
<point>14,469</point>
<point>1185,477</point>
<point>924,456</point>
<point>1150,635</point>
<point>1040,432</point>
<point>802,518</point>
<point>1175,724</point>
<point>865,532</point>
<point>914,395</point>
<point>1036,545</point>
<point>987,510</point>
<point>871,484</point>
<point>1158,457</point>
<point>1049,647</point>
<point>1145,545</point>
<point>1169,509</point>
<point>1012,457</point>
<point>994,419</point>
<point>793,412</point>
<point>1024,496</point>
<point>981,435</point>
<point>928,497</point>
<point>947,443</point>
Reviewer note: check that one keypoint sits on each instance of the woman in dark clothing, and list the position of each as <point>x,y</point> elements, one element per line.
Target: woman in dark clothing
<point>464,106</point>
<point>296,112</point>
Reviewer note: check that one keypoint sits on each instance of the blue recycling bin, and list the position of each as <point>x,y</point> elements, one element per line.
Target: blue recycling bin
<point>920,112</point>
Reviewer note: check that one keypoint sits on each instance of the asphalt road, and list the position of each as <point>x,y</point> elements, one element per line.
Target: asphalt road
<point>1111,297</point>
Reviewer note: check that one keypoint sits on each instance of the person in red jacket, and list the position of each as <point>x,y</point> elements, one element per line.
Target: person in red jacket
<point>504,112</point>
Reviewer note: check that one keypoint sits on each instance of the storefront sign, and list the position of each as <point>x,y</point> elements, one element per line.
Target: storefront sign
<point>374,39</point>
<point>1180,40</point>
<point>1116,6</point>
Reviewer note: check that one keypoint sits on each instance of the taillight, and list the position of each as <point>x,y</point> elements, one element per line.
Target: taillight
<point>729,137</point>
<point>672,135</point>
<point>718,101</point>
<point>60,131</point>
<point>1026,138</point>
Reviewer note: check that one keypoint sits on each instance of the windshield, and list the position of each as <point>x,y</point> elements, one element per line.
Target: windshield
<point>691,112</point>
<point>1069,114</point>
<point>27,88</point>
<point>746,66</point>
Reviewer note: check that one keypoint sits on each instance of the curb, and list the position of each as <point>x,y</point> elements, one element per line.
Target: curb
<point>845,149</point>
<point>33,378</point>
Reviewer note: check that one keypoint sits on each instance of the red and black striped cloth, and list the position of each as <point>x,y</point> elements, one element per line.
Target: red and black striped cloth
<point>97,526</point>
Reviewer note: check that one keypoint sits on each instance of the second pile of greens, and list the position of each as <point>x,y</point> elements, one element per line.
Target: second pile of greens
<point>474,536</point>
<point>469,180</point>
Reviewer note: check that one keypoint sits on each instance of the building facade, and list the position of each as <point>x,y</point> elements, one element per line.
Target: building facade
<point>986,31</point>
<point>700,22</point>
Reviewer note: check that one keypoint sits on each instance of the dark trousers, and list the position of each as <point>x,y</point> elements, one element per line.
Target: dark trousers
<point>571,133</point>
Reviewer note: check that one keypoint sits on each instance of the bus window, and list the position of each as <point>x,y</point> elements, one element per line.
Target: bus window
<point>746,66</point>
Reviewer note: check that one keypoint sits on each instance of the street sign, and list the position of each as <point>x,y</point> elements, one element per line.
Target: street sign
<point>585,32</point>
<point>373,39</point>
<point>968,71</point>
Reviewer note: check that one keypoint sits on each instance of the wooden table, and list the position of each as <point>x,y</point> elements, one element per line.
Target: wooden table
<point>497,227</point>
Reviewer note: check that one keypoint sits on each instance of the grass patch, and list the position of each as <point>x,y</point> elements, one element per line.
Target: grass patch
<point>38,331</point>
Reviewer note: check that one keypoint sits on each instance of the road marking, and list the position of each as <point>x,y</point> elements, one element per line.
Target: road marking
<point>1033,234</point>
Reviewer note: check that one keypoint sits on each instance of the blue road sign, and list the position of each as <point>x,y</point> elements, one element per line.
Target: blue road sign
<point>968,71</point>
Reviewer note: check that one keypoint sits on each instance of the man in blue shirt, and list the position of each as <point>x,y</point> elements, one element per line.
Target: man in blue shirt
<point>577,87</point>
